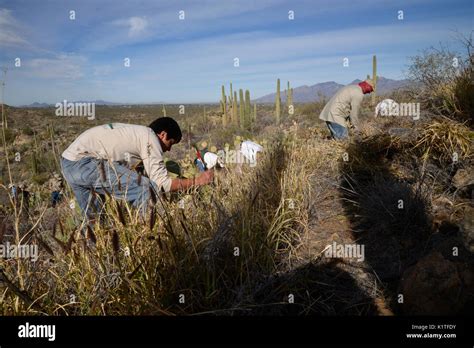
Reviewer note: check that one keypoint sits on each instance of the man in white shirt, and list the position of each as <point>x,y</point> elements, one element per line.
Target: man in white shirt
<point>344,106</point>
<point>99,160</point>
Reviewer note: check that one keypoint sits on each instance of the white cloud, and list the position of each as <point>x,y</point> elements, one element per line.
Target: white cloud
<point>136,26</point>
<point>10,30</point>
<point>258,51</point>
<point>68,67</point>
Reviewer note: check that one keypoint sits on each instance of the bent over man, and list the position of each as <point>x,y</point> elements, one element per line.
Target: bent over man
<point>99,160</point>
<point>343,107</point>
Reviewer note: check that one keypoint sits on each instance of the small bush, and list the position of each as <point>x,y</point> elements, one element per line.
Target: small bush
<point>27,131</point>
<point>10,136</point>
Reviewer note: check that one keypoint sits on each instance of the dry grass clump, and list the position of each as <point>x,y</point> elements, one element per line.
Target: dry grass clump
<point>445,141</point>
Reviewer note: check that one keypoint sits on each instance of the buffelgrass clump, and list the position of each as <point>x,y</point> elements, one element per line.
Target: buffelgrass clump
<point>372,154</point>
<point>445,142</point>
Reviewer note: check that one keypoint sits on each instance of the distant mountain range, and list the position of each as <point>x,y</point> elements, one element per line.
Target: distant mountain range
<point>46,105</point>
<point>302,94</point>
<point>36,105</point>
<point>307,94</point>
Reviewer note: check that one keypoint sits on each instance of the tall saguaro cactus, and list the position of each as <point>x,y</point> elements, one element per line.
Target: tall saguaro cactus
<point>255,113</point>
<point>278,104</point>
<point>224,107</point>
<point>374,76</point>
<point>241,108</point>
<point>248,115</point>
<point>235,115</point>
<point>289,98</point>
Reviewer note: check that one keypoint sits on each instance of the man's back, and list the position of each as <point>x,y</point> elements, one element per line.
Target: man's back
<point>343,104</point>
<point>111,141</point>
<point>121,142</point>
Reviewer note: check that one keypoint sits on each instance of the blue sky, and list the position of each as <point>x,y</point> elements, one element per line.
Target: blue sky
<point>173,60</point>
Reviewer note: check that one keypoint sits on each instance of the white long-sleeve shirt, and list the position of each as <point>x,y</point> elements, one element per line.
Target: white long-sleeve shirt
<point>345,103</point>
<point>123,143</point>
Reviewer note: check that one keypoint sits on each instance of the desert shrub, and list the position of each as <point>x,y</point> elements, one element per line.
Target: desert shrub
<point>10,135</point>
<point>400,95</point>
<point>444,81</point>
<point>311,110</point>
<point>27,131</point>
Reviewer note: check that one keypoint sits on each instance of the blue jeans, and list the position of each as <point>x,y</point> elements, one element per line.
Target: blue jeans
<point>85,176</point>
<point>337,131</point>
<point>55,198</point>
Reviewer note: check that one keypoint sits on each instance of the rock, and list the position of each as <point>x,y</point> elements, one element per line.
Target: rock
<point>441,210</point>
<point>434,286</point>
<point>463,179</point>
<point>466,227</point>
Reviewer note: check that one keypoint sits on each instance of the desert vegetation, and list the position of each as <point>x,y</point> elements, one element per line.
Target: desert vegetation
<point>254,242</point>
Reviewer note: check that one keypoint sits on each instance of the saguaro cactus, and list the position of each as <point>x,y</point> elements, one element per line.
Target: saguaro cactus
<point>235,115</point>
<point>254,112</point>
<point>164,111</point>
<point>374,76</point>
<point>278,104</point>
<point>289,98</point>
<point>241,108</point>
<point>248,115</point>
<point>224,107</point>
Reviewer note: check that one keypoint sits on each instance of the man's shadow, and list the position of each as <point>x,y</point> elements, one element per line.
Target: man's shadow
<point>322,287</point>
<point>387,215</point>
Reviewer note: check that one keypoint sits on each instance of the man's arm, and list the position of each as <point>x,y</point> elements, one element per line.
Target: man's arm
<point>153,162</point>
<point>354,116</point>
<point>152,156</point>
<point>184,184</point>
